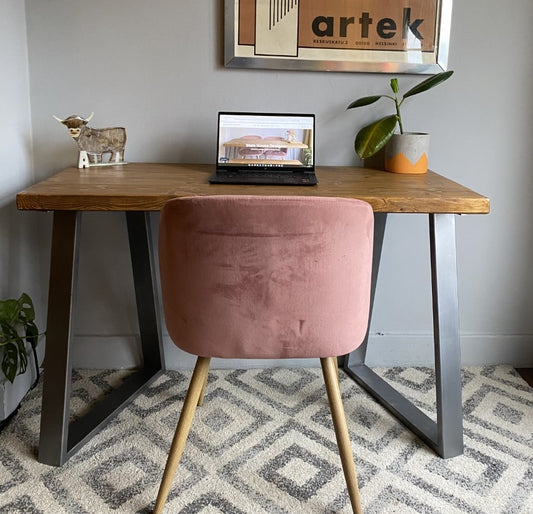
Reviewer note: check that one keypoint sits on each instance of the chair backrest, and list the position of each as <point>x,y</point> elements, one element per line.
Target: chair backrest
<point>266,276</point>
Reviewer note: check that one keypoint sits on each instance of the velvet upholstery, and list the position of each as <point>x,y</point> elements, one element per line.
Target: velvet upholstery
<point>266,276</point>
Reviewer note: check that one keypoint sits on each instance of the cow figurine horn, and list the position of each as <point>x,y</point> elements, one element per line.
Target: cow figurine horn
<point>86,120</point>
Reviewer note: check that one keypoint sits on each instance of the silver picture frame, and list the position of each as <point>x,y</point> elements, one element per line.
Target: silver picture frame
<point>349,36</point>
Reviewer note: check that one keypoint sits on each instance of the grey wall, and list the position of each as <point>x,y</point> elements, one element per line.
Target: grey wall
<point>157,68</point>
<point>22,263</point>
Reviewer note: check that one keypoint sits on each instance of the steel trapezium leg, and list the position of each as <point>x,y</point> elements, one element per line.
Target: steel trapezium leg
<point>445,436</point>
<point>53,441</point>
<point>146,291</point>
<point>59,439</point>
<point>143,267</point>
<point>380,220</point>
<point>355,367</point>
<point>446,334</point>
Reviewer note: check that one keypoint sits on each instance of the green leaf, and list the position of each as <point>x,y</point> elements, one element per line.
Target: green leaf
<point>366,100</point>
<point>374,137</point>
<point>32,333</point>
<point>17,328</point>
<point>26,310</point>
<point>9,311</point>
<point>10,361</point>
<point>394,86</point>
<point>22,355</point>
<point>429,83</point>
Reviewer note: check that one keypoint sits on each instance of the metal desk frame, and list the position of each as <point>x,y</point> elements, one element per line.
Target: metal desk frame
<point>445,436</point>
<point>60,438</point>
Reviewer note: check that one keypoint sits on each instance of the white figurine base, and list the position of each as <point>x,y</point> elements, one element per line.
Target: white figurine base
<point>83,162</point>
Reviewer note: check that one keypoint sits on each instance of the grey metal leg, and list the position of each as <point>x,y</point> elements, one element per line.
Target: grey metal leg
<point>380,221</point>
<point>146,293</point>
<point>446,334</point>
<point>59,439</point>
<point>56,379</point>
<point>446,435</point>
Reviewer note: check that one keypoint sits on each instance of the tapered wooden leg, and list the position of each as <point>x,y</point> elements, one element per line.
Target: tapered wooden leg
<point>329,369</point>
<point>202,393</point>
<point>198,381</point>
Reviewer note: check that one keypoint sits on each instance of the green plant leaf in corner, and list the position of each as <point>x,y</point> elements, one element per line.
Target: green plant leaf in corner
<point>26,309</point>
<point>17,328</point>
<point>366,100</point>
<point>374,137</point>
<point>10,361</point>
<point>429,83</point>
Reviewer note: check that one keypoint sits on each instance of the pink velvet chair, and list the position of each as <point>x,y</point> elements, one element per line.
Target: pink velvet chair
<point>265,277</point>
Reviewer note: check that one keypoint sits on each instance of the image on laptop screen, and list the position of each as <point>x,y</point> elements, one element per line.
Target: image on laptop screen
<point>265,141</point>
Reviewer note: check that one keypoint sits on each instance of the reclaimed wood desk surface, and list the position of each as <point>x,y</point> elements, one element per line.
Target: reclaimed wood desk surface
<point>147,186</point>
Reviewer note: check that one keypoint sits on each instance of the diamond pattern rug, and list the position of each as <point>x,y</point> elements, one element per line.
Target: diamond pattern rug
<point>263,443</point>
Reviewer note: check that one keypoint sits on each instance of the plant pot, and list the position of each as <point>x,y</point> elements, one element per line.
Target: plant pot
<point>11,394</point>
<point>407,153</point>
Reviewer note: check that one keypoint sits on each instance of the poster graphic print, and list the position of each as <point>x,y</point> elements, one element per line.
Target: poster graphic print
<point>341,35</point>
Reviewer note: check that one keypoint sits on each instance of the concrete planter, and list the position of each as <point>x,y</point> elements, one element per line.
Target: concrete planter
<point>11,394</point>
<point>407,153</point>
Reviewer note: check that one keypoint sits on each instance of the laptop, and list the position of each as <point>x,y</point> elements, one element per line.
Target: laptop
<point>265,148</point>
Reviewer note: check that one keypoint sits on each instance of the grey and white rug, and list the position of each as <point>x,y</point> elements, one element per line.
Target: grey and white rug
<point>263,443</point>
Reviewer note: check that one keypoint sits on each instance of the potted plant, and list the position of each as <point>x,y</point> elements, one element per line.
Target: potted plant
<point>402,152</point>
<point>18,336</point>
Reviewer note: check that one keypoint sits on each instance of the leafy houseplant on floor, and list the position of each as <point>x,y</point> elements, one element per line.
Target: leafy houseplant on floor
<point>400,153</point>
<point>18,335</point>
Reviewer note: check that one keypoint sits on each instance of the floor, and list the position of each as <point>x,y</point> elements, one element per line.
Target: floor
<point>526,374</point>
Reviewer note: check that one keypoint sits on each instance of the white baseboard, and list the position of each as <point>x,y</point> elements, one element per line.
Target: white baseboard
<point>100,352</point>
<point>106,352</point>
<point>476,350</point>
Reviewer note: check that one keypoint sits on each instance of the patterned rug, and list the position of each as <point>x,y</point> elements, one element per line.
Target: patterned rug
<point>263,443</point>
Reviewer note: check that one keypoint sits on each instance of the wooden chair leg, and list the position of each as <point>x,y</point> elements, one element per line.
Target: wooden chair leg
<point>198,381</point>
<point>202,392</point>
<point>331,379</point>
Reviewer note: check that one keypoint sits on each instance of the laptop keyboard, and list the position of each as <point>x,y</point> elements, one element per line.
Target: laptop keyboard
<point>265,177</point>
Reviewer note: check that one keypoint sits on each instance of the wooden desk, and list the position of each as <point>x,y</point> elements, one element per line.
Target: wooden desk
<point>139,188</point>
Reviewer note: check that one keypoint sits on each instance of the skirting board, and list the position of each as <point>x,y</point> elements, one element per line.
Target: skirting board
<point>101,352</point>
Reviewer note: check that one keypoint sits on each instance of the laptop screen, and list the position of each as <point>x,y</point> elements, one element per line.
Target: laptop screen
<point>264,141</point>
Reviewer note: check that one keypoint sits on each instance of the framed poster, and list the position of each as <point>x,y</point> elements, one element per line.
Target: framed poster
<point>387,36</point>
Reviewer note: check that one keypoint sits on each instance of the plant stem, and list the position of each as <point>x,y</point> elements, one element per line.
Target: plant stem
<point>400,124</point>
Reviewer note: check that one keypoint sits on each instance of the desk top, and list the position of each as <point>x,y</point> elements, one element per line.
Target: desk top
<point>147,186</point>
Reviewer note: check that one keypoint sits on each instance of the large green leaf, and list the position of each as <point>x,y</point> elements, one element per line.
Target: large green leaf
<point>10,361</point>
<point>32,333</point>
<point>374,137</point>
<point>17,327</point>
<point>27,311</point>
<point>366,100</point>
<point>9,311</point>
<point>429,83</point>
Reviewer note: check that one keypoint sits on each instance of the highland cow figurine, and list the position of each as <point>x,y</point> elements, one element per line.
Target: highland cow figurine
<point>95,142</point>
